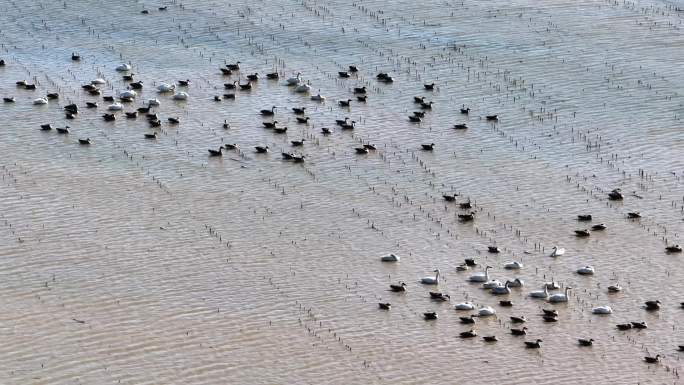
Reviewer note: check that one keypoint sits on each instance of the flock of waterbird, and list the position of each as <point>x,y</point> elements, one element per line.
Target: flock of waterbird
<point>118,106</point>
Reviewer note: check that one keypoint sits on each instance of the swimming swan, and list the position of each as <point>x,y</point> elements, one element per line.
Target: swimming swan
<point>556,252</point>
<point>431,280</point>
<point>480,277</point>
<point>560,297</point>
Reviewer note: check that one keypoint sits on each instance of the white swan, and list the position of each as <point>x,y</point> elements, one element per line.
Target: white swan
<point>517,283</point>
<point>486,311</point>
<point>515,265</point>
<point>181,96</point>
<point>431,280</point>
<point>115,107</point>
<point>294,81</point>
<point>40,101</point>
<point>390,258</point>
<point>166,87</point>
<point>540,293</point>
<point>464,306</point>
<point>98,81</point>
<point>560,297</point>
<point>480,277</point>
<point>556,252</point>
<point>124,67</point>
<point>585,270</point>
<point>318,98</point>
<point>153,102</point>
<point>128,94</point>
<point>500,290</point>
<point>492,284</point>
<point>602,310</point>
<point>304,88</point>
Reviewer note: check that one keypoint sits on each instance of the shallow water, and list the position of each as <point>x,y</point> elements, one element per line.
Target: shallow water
<point>137,261</point>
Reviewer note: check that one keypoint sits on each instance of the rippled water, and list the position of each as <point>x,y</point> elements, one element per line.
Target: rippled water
<point>137,261</point>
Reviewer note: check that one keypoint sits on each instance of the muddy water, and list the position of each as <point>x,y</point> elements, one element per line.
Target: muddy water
<point>146,261</point>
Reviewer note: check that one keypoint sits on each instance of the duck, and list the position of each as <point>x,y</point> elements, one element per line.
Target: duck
<point>218,152</point>
<point>287,155</point>
<point>381,75</point>
<point>353,69</point>
<point>429,87</point>
<point>468,320</point>
<point>465,111</point>
<point>616,288</point>
<point>343,74</point>
<point>132,115</point>
<point>21,83</point>
<point>492,117</point>
<point>486,312</point>
<point>420,114</point>
<point>506,303</point>
<point>584,217</point>
<point>502,290</point>
<point>303,88</point>
<point>602,310</point>
<point>427,147</point>
<point>40,101</point>
<point>467,205</point>
<point>153,102</point>
<point>272,76</point>
<point>84,142</point>
<point>303,120</point>
<point>9,100</point>
<point>652,360</point>
<point>652,305</point>
<point>345,103</point>
<point>426,106</point>
<point>490,338</point>
<point>225,71</point>
<point>390,258</point>
<point>326,131</point>
<point>184,83</point>
<point>217,98</point>
<point>165,87</point>
<point>557,252</point>
<point>460,126</point>
<point>318,98</point>
<point>362,150</point>
<point>30,87</point>
<point>71,108</point>
<point>437,296</point>
<point>231,146</point>
<point>449,198</point>
<point>70,116</point>
<point>63,130</point>
<point>431,280</point>
<point>362,98</point>
<point>470,262</point>
<point>560,297</point>
<point>95,92</point>
<point>480,277</point>
<point>155,123</point>
<point>516,283</point>
<point>582,233</point>
<point>270,124</point>
<point>385,305</point>
<point>279,130</point>
<point>52,96</point>
<point>115,107</point>
<point>464,306</point>
<point>387,79</point>
<point>360,90</point>
<point>299,110</point>
<point>633,215</point>
<point>46,127</point>
<point>550,318</point>
<point>270,112</point>
<point>233,67</point>
<point>519,332</point>
<point>518,320</point>
<point>253,77</point>
<point>616,195</point>
<point>294,80</point>
<point>128,77</point>
<point>550,312</point>
<point>533,345</point>
<point>624,326</point>
<point>349,126</point>
<point>173,120</point>
<point>598,227</point>
<point>673,249</point>
<point>369,146</point>
<point>586,270</point>
<point>108,98</point>
<point>469,334</point>
<point>639,325</point>
<point>540,293</point>
<point>230,86</point>
<point>91,105</point>
<point>261,149</point>
<point>585,342</point>
<point>515,265</point>
<point>151,136</point>
<point>398,288</point>
<point>123,67</point>
<point>493,249</point>
<point>2,62</point>
<point>181,96</point>
<point>466,217</point>
<point>415,119</point>
<point>297,143</point>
